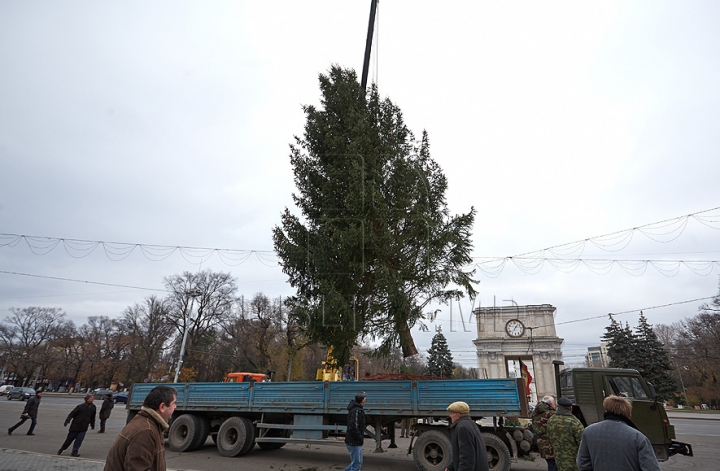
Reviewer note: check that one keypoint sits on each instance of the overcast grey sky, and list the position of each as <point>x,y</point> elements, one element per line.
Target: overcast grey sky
<point>169,122</point>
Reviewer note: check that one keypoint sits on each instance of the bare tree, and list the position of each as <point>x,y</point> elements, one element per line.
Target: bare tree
<point>149,330</point>
<point>107,346</point>
<point>71,348</point>
<point>26,336</point>
<point>213,295</point>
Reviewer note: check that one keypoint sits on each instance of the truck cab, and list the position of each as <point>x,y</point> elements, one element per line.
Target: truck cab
<point>245,377</point>
<point>588,387</point>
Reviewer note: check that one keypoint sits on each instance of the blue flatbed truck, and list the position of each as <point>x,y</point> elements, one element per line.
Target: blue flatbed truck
<point>239,415</point>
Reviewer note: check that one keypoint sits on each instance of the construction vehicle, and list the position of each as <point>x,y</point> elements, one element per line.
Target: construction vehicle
<point>331,371</point>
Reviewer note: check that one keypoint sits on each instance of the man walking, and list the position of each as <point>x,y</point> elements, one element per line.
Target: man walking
<point>565,433</point>
<point>141,444</point>
<point>468,446</point>
<point>542,413</point>
<point>355,434</point>
<point>82,416</point>
<point>105,409</point>
<point>29,412</point>
<point>616,443</point>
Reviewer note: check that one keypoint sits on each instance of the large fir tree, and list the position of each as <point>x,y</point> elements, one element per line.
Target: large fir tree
<point>376,243</point>
<point>620,344</point>
<point>640,351</point>
<point>653,360</point>
<point>440,360</point>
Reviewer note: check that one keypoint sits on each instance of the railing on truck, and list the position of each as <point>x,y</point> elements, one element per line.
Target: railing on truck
<point>239,415</point>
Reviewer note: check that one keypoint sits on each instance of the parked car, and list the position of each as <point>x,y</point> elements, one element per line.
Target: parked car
<point>121,397</point>
<point>21,393</point>
<point>99,394</point>
<point>5,388</point>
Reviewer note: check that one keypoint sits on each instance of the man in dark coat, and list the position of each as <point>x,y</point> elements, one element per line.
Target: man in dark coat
<point>468,446</point>
<point>355,434</point>
<point>30,412</point>
<point>82,416</point>
<point>141,444</point>
<point>105,409</point>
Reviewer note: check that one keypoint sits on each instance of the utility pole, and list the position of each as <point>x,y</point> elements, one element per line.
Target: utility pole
<point>192,294</point>
<point>682,383</point>
<point>368,44</point>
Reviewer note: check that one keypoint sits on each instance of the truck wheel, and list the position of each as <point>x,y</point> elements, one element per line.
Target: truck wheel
<point>202,429</point>
<point>235,437</point>
<point>183,432</point>
<point>274,445</point>
<point>432,451</point>
<point>497,453</point>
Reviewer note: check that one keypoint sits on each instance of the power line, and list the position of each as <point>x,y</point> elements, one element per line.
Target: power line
<point>81,281</point>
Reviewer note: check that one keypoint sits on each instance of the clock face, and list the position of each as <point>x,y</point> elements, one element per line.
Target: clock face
<point>514,328</point>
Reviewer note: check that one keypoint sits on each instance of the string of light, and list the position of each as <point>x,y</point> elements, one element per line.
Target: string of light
<point>117,251</point>
<point>600,266</point>
<point>564,257</point>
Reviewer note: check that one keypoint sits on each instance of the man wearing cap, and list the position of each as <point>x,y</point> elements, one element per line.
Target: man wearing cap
<point>565,434</point>
<point>105,409</point>
<point>355,434</point>
<point>30,412</point>
<point>616,443</point>
<point>468,446</point>
<point>542,413</point>
<point>82,416</point>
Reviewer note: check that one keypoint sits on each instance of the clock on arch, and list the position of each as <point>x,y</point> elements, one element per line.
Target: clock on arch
<point>515,328</point>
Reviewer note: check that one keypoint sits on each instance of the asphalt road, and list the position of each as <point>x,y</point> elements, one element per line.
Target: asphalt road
<point>50,433</point>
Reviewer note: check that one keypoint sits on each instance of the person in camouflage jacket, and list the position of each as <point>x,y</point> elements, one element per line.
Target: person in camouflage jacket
<point>565,433</point>
<point>542,413</point>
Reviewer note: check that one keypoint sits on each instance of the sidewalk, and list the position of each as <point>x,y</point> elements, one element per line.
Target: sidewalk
<point>18,460</point>
<point>691,415</point>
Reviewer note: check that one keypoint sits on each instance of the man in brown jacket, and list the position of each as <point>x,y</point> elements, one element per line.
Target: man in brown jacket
<point>141,444</point>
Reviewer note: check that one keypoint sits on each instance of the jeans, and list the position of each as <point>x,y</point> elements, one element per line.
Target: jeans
<point>356,459</point>
<point>551,465</point>
<point>22,421</point>
<point>78,437</point>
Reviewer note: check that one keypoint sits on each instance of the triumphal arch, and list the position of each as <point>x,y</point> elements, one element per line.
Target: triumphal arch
<point>519,334</point>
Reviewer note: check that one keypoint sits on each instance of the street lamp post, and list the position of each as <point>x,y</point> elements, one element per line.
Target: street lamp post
<point>192,294</point>
<point>682,383</point>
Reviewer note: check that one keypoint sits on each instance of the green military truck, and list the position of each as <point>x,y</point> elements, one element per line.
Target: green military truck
<point>588,387</point>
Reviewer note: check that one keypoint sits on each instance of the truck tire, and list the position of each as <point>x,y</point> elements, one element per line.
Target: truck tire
<point>497,453</point>
<point>235,437</point>
<point>183,433</point>
<point>274,445</point>
<point>202,430</point>
<point>432,451</point>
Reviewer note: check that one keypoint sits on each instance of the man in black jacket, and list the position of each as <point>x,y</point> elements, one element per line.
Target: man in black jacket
<point>355,434</point>
<point>82,416</point>
<point>468,446</point>
<point>30,412</point>
<point>105,409</point>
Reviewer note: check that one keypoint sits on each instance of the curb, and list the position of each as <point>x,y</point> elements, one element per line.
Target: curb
<point>30,463</point>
